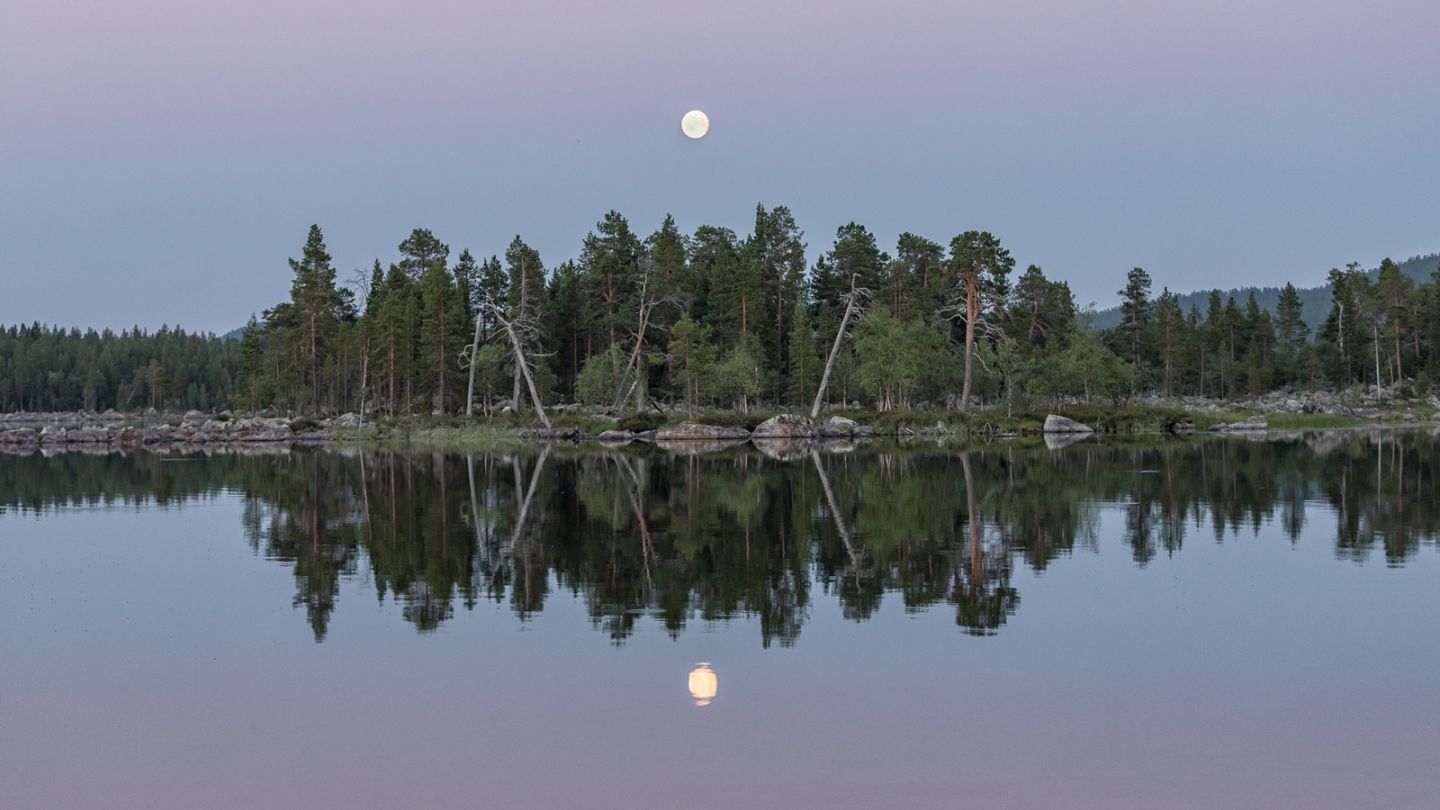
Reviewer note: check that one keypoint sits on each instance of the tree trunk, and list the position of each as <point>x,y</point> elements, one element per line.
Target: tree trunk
<point>523,368</point>
<point>1399,372</point>
<point>515,391</point>
<point>474,355</point>
<point>1375,327</point>
<point>972,304</point>
<point>834,352</point>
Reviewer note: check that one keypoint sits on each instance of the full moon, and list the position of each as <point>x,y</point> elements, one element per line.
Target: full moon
<point>702,681</point>
<point>695,124</point>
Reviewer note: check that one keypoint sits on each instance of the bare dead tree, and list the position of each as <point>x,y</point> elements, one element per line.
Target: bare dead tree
<point>518,330</point>
<point>470,357</point>
<point>854,310</point>
<point>649,302</point>
<point>647,545</point>
<point>360,283</point>
<point>518,532</point>
<point>851,548</point>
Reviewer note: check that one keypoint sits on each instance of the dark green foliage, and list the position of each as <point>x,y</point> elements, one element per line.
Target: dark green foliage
<point>711,319</point>
<point>46,368</point>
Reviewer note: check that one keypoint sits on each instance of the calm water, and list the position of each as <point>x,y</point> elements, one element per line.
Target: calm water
<point>1207,623</point>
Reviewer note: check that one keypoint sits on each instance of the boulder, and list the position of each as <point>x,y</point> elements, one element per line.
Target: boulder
<point>52,434</point>
<point>19,436</point>
<point>615,437</point>
<point>1254,424</point>
<point>1062,424</point>
<point>691,431</point>
<point>840,427</point>
<point>785,426</point>
<point>89,434</point>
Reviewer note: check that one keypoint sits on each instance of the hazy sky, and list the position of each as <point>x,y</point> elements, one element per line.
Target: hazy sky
<point>159,161</point>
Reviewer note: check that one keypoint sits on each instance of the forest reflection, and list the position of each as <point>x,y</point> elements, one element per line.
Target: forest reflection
<point>639,532</point>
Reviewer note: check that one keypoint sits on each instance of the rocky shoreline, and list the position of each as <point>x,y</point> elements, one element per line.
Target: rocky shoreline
<point>111,429</point>
<point>27,432</point>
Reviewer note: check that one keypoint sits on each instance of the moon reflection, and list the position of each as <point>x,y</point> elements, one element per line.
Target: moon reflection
<point>703,684</point>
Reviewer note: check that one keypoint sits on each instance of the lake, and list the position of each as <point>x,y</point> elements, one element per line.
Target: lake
<point>1169,623</point>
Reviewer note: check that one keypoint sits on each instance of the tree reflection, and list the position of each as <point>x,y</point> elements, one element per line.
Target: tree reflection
<point>701,538</point>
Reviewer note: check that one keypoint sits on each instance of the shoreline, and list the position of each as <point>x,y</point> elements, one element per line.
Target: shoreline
<point>112,431</point>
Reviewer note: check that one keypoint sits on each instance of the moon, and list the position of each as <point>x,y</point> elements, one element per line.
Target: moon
<point>702,681</point>
<point>695,124</point>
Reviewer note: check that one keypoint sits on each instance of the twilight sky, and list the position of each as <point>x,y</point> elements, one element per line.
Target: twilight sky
<point>159,160</point>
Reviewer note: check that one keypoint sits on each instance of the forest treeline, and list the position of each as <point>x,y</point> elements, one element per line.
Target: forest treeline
<point>711,318</point>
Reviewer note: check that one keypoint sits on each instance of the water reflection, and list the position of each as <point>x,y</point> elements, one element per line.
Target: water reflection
<point>703,684</point>
<point>704,537</point>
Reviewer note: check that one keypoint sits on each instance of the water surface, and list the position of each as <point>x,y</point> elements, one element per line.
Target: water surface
<point>1207,623</point>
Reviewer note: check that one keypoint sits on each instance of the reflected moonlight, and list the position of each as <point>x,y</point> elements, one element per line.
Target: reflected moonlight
<point>703,684</point>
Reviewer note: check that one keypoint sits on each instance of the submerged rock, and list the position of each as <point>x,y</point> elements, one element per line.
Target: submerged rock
<point>785,426</point>
<point>1063,424</point>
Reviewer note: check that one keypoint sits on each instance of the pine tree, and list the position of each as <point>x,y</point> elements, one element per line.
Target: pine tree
<point>1170,326</point>
<point>981,267</point>
<point>1291,334</point>
<point>419,251</point>
<point>316,308</point>
<point>442,334</point>
<point>733,291</point>
<point>1135,309</point>
<point>691,357</point>
<point>804,372</point>
<point>525,302</point>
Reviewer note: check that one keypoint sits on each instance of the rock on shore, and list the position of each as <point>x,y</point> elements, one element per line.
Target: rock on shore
<point>785,426</point>
<point>193,428</point>
<point>1252,425</point>
<point>691,431</point>
<point>1063,424</point>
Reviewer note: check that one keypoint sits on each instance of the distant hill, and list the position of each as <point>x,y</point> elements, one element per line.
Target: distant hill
<point>234,334</point>
<point>1315,299</point>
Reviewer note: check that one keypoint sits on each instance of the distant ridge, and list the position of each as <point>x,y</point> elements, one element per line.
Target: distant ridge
<point>1315,299</point>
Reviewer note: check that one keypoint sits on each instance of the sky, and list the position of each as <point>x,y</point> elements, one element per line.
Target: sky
<point>160,161</point>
